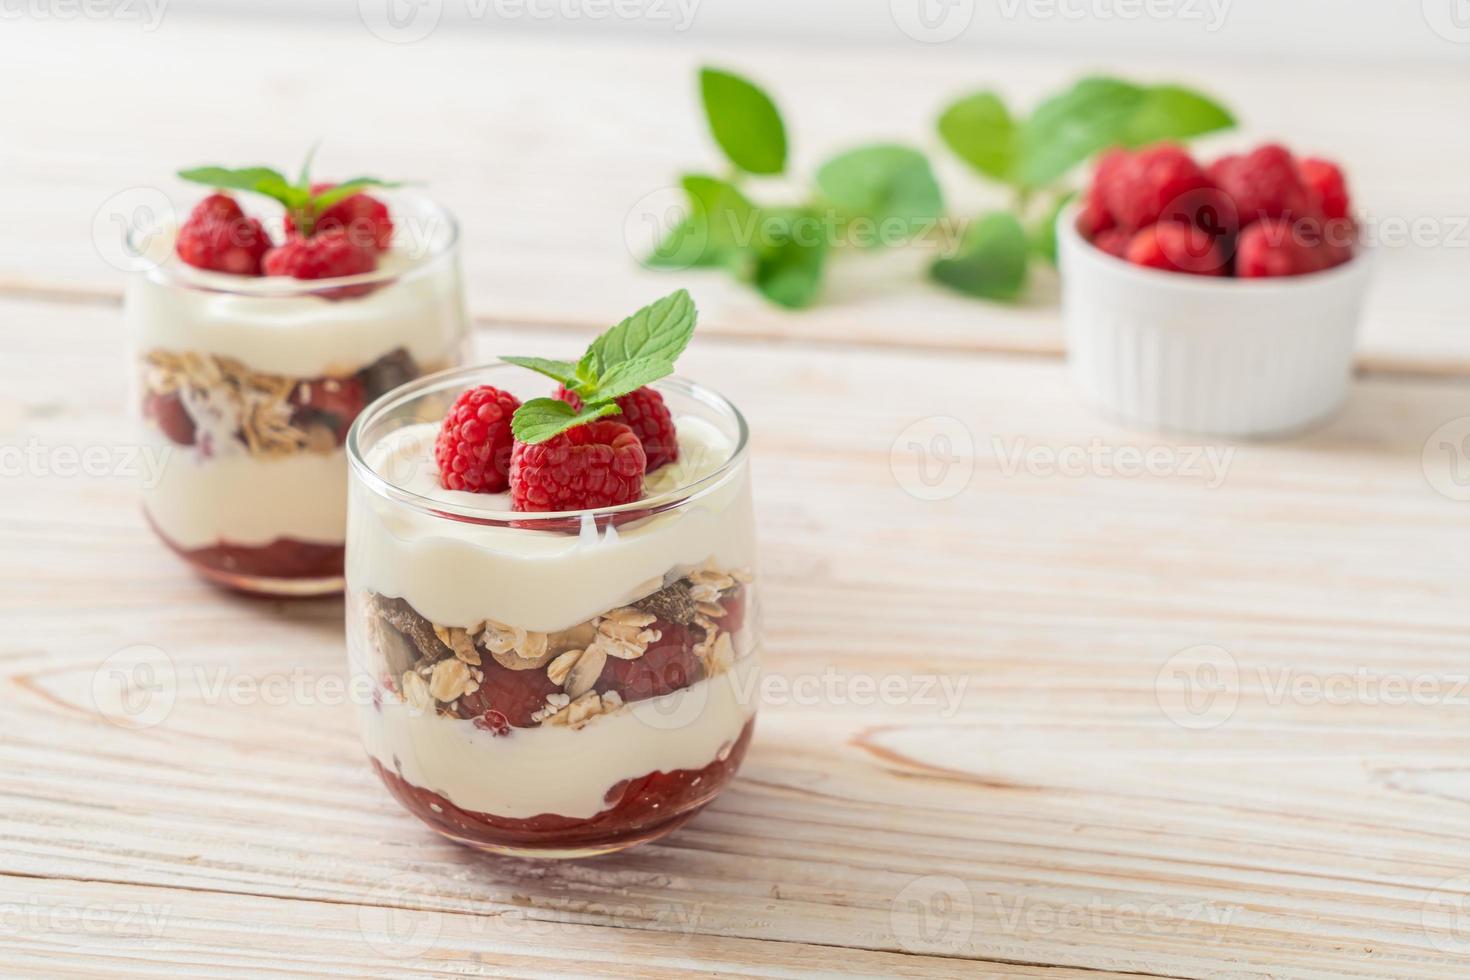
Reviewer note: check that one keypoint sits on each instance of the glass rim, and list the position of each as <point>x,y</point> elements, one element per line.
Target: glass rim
<point>643,507</point>
<point>176,272</point>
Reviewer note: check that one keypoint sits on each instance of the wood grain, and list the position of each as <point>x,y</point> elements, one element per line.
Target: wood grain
<point>551,155</point>
<point>1045,816</point>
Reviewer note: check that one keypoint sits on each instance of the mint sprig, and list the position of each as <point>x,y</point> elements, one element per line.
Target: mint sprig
<point>637,352</point>
<point>881,194</point>
<point>301,204</point>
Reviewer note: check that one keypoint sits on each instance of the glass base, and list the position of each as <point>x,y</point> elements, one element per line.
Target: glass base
<point>257,585</point>
<point>553,853</point>
<point>283,567</point>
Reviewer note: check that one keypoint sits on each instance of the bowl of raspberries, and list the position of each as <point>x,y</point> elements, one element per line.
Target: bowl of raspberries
<point>1214,297</point>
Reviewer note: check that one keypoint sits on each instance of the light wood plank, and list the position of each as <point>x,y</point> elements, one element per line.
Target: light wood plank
<point>545,149</point>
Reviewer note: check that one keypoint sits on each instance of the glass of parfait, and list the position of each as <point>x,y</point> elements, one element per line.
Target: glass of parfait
<point>252,355</point>
<point>552,683</point>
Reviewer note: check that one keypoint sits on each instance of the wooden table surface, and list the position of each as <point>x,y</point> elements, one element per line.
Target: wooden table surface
<point>1206,721</point>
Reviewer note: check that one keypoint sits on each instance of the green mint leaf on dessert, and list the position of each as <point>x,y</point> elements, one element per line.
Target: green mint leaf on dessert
<point>563,371</point>
<point>744,121</point>
<point>793,253</point>
<point>543,418</point>
<point>303,179</point>
<point>626,376</point>
<point>660,330</point>
<point>891,186</point>
<point>260,180</point>
<point>991,262</point>
<point>980,131</point>
<point>347,188</point>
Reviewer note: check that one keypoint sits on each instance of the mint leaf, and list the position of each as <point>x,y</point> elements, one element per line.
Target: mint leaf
<point>347,188</point>
<point>980,131</point>
<point>717,228</point>
<point>563,371</point>
<point>542,418</point>
<point>793,252</point>
<point>626,376</point>
<point>1042,237</point>
<point>991,262</point>
<point>260,180</point>
<point>662,329</point>
<point>891,186</point>
<point>744,122</point>
<point>304,178</point>
<point>1069,128</point>
<point>1169,112</point>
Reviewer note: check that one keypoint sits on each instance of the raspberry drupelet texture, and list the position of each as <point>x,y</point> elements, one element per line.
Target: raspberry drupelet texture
<point>218,236</point>
<point>324,256</point>
<point>361,217</point>
<point>645,413</point>
<point>473,448</point>
<point>1177,248</point>
<point>1326,183</point>
<point>1263,184</point>
<point>1158,183</point>
<point>1273,247</point>
<point>597,464</point>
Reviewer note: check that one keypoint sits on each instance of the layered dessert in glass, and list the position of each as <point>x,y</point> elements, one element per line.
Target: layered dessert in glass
<point>551,682</point>
<point>254,352</point>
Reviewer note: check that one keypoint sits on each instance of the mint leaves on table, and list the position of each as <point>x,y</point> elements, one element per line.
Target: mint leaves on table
<point>872,195</point>
<point>1031,155</point>
<point>300,202</point>
<point>638,351</point>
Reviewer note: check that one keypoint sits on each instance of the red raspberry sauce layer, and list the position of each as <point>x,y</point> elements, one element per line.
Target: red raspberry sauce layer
<point>283,558</point>
<point>644,806</point>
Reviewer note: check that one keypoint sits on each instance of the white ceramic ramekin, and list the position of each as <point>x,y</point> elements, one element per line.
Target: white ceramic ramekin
<point>1165,350</point>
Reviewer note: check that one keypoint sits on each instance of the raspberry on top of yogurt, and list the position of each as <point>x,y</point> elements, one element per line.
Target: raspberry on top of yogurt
<point>331,229</point>
<point>590,443</point>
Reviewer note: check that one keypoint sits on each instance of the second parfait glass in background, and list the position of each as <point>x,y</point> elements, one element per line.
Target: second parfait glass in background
<point>551,684</point>
<point>247,385</point>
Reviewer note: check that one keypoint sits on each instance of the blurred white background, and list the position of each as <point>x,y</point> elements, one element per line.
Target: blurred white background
<point>1323,31</point>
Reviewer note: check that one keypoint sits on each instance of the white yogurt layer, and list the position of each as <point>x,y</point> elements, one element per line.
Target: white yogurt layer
<point>556,769</point>
<point>457,573</point>
<point>300,336</point>
<point>236,499</point>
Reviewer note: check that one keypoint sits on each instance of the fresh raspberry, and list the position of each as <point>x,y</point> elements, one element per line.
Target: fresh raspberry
<point>1271,247</point>
<point>596,464</point>
<point>1114,241</point>
<point>645,413</point>
<point>473,448</point>
<point>1263,184</point>
<point>363,218</point>
<point>1158,183</point>
<point>1326,183</point>
<point>1177,248</point>
<point>324,256</point>
<point>171,417</point>
<point>1096,217</point>
<point>218,236</point>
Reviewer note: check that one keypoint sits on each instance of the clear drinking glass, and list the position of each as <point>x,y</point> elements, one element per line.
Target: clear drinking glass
<point>247,386</point>
<point>554,684</point>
